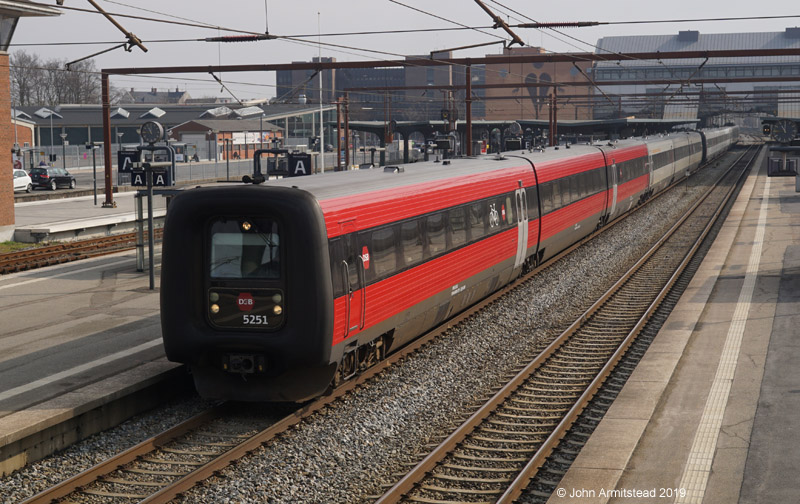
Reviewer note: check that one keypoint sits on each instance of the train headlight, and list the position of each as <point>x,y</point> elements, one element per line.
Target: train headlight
<point>277,298</point>
<point>215,308</point>
<point>213,297</point>
<point>246,226</point>
<point>277,310</point>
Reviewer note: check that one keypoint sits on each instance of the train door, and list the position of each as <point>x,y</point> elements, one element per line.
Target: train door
<point>522,226</point>
<point>613,180</point>
<point>354,282</point>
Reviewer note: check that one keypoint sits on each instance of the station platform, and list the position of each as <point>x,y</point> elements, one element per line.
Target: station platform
<point>78,217</point>
<point>712,412</point>
<point>80,351</point>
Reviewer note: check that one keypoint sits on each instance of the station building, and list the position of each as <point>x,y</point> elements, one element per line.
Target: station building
<point>717,101</point>
<point>83,124</point>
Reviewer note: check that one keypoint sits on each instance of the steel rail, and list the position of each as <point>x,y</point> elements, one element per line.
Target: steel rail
<point>24,260</point>
<point>520,483</point>
<point>106,467</point>
<point>424,467</point>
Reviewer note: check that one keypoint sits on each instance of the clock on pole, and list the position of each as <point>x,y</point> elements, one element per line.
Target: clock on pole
<point>784,131</point>
<point>151,132</point>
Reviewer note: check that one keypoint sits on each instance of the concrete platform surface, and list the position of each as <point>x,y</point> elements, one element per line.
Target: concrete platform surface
<point>75,337</point>
<point>78,217</point>
<point>712,413</point>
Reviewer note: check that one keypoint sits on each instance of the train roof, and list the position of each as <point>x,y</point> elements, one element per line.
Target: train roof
<point>333,185</point>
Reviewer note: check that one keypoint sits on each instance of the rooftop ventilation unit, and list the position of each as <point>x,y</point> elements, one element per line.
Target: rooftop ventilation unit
<point>153,113</point>
<point>793,33</point>
<point>120,112</point>
<point>688,36</point>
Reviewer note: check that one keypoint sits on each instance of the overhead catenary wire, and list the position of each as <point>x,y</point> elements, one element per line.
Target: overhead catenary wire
<point>338,47</point>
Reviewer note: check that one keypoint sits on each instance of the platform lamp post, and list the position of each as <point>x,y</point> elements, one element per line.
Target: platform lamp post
<point>227,158</point>
<point>93,147</point>
<point>63,150</point>
<point>261,130</point>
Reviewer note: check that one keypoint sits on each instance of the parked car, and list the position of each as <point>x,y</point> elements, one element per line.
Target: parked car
<point>52,177</point>
<point>22,182</point>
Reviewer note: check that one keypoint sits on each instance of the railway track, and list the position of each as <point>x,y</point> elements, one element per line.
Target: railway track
<point>167,465</point>
<point>66,252</point>
<point>493,455</point>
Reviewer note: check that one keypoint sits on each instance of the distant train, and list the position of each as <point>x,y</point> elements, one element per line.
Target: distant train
<point>272,292</point>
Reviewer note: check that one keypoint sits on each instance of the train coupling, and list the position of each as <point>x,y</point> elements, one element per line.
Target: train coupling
<point>244,363</point>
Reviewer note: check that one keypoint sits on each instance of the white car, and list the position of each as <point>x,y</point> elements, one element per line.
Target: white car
<point>22,182</point>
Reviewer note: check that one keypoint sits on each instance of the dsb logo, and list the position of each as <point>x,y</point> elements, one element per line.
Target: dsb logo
<point>245,301</point>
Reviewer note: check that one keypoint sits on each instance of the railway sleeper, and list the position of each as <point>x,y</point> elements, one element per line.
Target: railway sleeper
<point>488,460</point>
<point>117,481</point>
<point>527,433</point>
<point>505,440</point>
<point>485,481</point>
<point>446,490</point>
<point>136,470</point>
<point>468,446</point>
<point>100,493</point>
<point>456,467</point>
<point>541,403</point>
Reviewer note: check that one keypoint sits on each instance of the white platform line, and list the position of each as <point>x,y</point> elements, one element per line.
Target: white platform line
<point>57,275</point>
<point>78,369</point>
<point>698,465</point>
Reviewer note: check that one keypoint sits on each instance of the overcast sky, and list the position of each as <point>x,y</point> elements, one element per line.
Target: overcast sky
<point>299,17</point>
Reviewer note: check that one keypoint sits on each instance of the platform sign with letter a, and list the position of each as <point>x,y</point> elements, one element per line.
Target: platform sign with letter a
<point>160,178</point>
<point>299,164</point>
<point>126,160</point>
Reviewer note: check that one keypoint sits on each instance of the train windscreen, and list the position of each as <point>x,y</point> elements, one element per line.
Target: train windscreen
<point>245,248</point>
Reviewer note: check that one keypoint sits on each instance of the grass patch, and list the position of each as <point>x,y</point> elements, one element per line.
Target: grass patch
<point>12,246</point>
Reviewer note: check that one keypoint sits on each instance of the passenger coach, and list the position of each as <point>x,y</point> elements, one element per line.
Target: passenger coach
<point>274,291</point>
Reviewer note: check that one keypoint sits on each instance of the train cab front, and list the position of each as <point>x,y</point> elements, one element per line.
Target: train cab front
<point>245,293</point>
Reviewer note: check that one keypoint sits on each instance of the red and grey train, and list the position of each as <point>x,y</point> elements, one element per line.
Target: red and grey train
<point>272,292</point>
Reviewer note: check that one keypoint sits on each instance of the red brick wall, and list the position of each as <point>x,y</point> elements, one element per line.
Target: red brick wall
<point>6,142</point>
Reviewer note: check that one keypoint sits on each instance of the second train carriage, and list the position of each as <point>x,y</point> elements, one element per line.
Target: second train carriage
<point>271,292</point>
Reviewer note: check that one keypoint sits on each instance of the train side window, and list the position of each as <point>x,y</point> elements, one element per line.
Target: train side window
<point>566,194</point>
<point>580,179</point>
<point>436,236</point>
<point>509,205</point>
<point>556,187</point>
<point>364,240</point>
<point>336,251</point>
<point>411,240</point>
<point>341,249</point>
<point>457,226</point>
<point>600,180</point>
<point>574,188</point>
<point>477,220</point>
<point>383,255</point>
<point>533,204</point>
<point>546,194</point>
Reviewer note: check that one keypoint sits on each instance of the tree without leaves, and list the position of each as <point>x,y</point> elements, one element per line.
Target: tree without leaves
<point>47,83</point>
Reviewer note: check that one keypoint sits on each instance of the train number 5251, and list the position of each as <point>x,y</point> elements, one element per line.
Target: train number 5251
<point>254,319</point>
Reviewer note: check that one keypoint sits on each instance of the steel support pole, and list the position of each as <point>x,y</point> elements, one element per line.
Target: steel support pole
<point>139,233</point>
<point>555,115</point>
<point>339,134</point>
<point>347,130</point>
<point>150,230</point>
<point>106,96</point>
<point>468,101</point>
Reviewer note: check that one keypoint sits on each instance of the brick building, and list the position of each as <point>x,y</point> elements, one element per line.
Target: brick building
<point>532,102</point>
<point>6,142</point>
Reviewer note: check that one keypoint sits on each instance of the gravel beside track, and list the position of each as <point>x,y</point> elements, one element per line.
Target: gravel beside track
<point>362,441</point>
